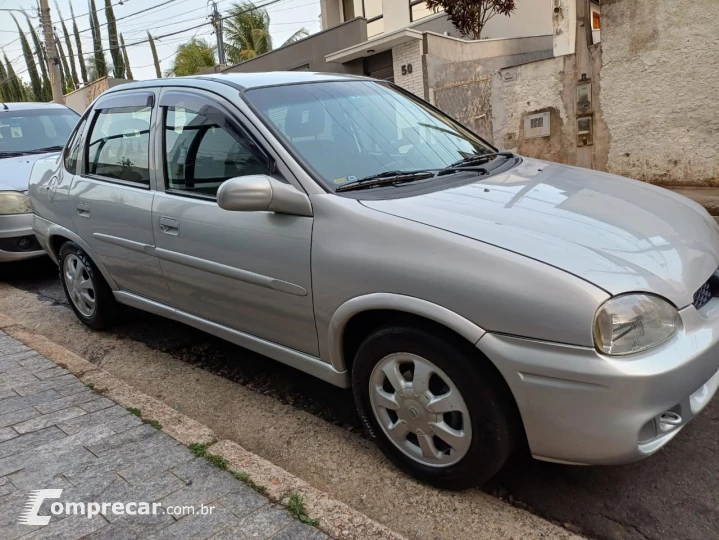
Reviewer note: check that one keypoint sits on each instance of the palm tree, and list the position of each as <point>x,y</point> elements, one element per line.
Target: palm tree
<point>248,32</point>
<point>191,58</point>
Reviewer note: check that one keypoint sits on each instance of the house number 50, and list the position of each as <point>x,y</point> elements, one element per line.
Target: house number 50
<point>407,69</point>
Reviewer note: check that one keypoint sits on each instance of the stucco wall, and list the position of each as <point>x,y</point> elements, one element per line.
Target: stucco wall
<point>660,82</point>
<point>527,89</point>
<point>459,73</point>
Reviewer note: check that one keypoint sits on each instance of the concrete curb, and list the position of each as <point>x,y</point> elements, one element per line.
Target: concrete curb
<point>335,518</point>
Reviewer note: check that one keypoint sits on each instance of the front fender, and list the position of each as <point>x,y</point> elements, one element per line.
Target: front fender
<point>395,302</point>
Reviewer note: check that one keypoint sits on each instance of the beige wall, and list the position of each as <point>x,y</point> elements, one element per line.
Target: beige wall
<point>660,82</point>
<point>79,100</point>
<point>532,18</point>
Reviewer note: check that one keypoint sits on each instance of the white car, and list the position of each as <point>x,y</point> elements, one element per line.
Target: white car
<point>28,132</point>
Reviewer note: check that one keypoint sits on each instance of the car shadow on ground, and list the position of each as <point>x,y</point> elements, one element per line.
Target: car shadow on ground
<point>673,494</point>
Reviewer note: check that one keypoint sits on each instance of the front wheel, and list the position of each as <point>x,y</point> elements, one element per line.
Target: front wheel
<point>437,412</point>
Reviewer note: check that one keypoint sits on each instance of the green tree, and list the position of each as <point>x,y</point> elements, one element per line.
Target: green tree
<point>471,16</point>
<point>80,59</point>
<point>118,62</point>
<point>191,58</point>
<point>4,86</point>
<point>67,83</point>
<point>16,89</point>
<point>42,60</point>
<point>68,45</point>
<point>35,80</point>
<point>155,59</point>
<point>247,31</point>
<point>128,73</point>
<point>98,54</point>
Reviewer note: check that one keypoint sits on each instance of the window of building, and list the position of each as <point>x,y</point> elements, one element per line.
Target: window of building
<point>119,144</point>
<point>596,21</point>
<point>200,155</point>
<point>348,9</point>
<point>418,10</point>
<point>372,11</point>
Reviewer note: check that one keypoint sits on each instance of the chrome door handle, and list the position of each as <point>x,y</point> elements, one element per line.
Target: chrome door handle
<point>169,226</point>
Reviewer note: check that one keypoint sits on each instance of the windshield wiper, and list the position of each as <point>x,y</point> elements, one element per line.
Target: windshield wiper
<point>11,154</point>
<point>470,162</point>
<point>46,149</point>
<point>385,178</point>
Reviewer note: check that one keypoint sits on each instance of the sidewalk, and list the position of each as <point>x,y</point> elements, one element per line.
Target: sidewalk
<point>56,433</point>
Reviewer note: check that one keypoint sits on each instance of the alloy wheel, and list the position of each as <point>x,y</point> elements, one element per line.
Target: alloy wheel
<point>420,409</point>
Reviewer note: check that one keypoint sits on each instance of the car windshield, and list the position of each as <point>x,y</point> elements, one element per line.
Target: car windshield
<point>29,131</point>
<point>349,130</point>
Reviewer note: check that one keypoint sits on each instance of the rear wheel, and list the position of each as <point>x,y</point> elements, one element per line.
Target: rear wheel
<point>437,412</point>
<point>88,293</point>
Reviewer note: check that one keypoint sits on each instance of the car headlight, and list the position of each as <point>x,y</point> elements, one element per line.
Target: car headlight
<point>634,322</point>
<point>14,202</point>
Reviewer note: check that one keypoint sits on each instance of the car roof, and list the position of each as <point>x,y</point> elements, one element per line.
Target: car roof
<point>244,80</point>
<point>28,106</point>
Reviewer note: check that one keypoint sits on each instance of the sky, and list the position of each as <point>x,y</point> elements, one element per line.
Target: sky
<point>166,17</point>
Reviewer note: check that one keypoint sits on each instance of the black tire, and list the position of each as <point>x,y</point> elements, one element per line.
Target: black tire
<point>491,407</point>
<point>106,307</point>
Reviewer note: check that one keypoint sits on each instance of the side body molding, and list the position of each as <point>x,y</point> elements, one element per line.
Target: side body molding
<point>396,302</point>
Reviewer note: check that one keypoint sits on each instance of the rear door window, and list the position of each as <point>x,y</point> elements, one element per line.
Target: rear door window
<point>119,145</point>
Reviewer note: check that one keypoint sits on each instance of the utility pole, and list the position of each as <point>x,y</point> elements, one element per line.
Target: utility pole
<point>52,58</point>
<point>216,20</point>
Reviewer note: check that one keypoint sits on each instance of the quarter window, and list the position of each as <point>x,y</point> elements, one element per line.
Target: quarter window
<point>200,155</point>
<point>119,144</point>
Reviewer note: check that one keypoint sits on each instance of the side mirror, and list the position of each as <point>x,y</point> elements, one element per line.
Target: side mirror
<point>261,193</point>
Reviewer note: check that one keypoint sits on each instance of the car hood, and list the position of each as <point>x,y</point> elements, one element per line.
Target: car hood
<point>619,234</point>
<point>15,171</point>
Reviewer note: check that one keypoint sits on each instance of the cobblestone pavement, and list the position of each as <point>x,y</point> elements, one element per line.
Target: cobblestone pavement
<point>55,433</point>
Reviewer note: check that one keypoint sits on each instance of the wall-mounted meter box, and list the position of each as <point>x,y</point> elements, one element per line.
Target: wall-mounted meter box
<point>536,125</point>
<point>585,131</point>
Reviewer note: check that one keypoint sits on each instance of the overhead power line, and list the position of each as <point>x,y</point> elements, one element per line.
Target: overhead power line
<point>170,34</point>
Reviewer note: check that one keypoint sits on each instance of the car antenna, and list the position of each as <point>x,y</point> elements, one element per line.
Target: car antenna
<point>4,106</point>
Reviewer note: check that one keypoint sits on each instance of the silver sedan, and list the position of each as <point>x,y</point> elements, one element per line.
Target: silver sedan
<point>28,132</point>
<point>475,301</point>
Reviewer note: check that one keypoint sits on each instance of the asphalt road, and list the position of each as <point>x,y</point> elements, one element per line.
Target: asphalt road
<point>674,494</point>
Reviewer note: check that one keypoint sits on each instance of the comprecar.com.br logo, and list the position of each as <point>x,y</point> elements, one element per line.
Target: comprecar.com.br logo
<point>31,513</point>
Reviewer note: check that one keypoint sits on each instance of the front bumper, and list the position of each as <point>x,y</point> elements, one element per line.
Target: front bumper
<point>582,407</point>
<point>17,239</point>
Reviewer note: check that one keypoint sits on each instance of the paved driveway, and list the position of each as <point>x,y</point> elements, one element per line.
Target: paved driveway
<point>674,494</point>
